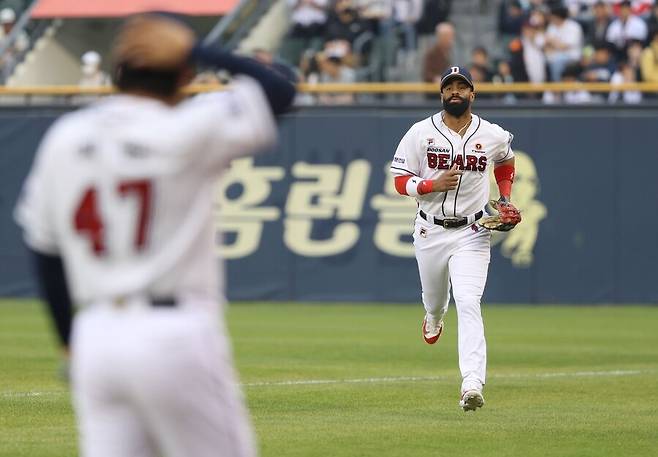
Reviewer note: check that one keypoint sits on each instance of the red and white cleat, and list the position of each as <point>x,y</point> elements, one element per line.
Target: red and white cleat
<point>432,329</point>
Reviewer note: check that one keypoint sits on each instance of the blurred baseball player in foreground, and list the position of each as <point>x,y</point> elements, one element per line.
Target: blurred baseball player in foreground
<point>118,207</point>
<point>443,162</point>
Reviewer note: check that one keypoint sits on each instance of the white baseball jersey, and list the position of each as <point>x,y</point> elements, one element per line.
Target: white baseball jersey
<point>430,148</point>
<point>123,191</point>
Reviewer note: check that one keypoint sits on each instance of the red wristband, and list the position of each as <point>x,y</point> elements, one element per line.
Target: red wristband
<point>401,184</point>
<point>425,186</point>
<point>504,177</point>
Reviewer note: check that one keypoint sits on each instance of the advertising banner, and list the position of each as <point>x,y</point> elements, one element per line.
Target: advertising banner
<point>319,218</point>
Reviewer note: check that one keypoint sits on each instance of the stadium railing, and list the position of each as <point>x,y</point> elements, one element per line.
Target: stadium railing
<point>366,88</point>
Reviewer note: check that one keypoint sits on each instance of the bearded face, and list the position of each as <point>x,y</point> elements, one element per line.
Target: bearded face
<point>455,105</point>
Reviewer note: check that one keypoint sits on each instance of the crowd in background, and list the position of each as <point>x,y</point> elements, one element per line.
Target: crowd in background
<point>580,40</point>
<point>356,40</point>
<point>539,41</point>
<point>415,40</point>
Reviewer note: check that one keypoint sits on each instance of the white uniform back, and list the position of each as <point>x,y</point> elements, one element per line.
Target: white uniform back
<point>123,191</point>
<point>430,148</point>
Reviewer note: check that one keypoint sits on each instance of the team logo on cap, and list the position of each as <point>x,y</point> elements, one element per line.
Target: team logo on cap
<point>454,70</point>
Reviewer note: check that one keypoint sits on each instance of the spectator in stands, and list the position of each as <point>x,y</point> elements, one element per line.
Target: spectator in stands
<point>480,57</point>
<point>571,74</point>
<point>7,23</point>
<point>510,20</point>
<point>564,42</point>
<point>308,21</point>
<point>344,22</point>
<point>92,74</point>
<point>625,28</point>
<point>267,58</point>
<point>638,7</point>
<point>504,75</point>
<point>434,12</point>
<point>516,61</point>
<point>22,42</point>
<point>378,12</point>
<point>598,26</point>
<point>535,5</point>
<point>649,60</point>
<point>379,15</point>
<point>533,40</point>
<point>652,23</point>
<point>344,49</point>
<point>18,6</point>
<point>406,14</point>
<point>439,57</point>
<point>602,66</point>
<point>634,55</point>
<point>579,9</point>
<point>333,69</point>
<point>625,74</point>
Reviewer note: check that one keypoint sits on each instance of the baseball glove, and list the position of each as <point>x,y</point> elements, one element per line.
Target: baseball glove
<point>506,219</point>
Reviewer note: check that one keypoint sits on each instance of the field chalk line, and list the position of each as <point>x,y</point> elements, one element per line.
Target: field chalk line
<point>383,380</point>
<point>574,374</point>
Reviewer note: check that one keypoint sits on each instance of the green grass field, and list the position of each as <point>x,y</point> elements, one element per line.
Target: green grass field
<point>339,380</point>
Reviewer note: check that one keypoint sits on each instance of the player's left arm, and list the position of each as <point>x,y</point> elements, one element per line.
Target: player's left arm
<point>503,158</point>
<point>50,274</point>
<point>504,173</point>
<point>508,215</point>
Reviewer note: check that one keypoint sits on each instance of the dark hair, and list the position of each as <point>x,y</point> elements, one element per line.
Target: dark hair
<point>572,70</point>
<point>163,83</point>
<point>602,45</point>
<point>480,49</point>
<point>560,11</point>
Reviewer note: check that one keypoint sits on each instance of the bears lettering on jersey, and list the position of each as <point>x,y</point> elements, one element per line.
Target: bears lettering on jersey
<point>442,162</point>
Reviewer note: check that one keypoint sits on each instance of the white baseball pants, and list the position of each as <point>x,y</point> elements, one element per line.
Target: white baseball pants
<point>151,382</point>
<point>457,257</point>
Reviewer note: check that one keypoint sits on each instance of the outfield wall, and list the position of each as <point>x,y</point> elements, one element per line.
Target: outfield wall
<point>318,219</point>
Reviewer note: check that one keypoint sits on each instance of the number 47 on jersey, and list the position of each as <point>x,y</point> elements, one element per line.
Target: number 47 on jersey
<point>89,223</point>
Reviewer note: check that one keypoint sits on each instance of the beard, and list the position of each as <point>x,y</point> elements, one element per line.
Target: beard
<point>456,109</point>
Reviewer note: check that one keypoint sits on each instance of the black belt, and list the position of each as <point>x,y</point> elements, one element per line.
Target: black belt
<point>164,302</point>
<point>449,223</point>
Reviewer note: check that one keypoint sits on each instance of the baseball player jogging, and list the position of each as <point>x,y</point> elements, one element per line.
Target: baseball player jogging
<point>118,209</point>
<point>443,162</point>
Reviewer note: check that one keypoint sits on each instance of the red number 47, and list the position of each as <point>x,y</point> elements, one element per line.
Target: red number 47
<point>88,222</point>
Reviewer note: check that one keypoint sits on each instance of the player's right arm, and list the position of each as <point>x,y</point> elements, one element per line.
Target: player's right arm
<point>412,186</point>
<point>34,213</point>
<point>239,121</point>
<point>406,169</point>
<point>279,92</point>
